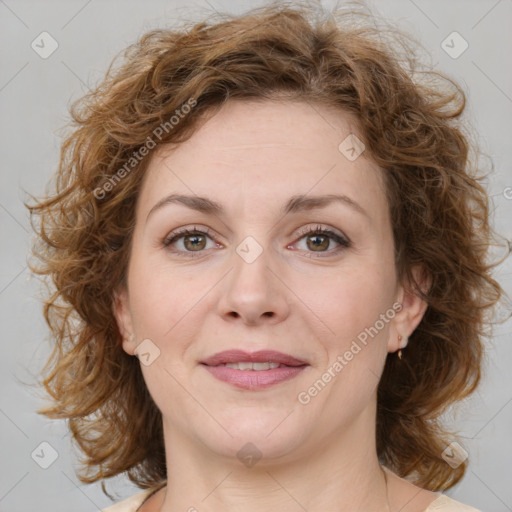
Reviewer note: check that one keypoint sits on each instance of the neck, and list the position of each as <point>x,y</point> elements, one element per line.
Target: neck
<point>341,475</point>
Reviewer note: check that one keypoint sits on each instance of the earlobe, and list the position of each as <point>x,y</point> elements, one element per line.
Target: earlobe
<point>412,311</point>
<point>129,344</point>
<point>123,318</point>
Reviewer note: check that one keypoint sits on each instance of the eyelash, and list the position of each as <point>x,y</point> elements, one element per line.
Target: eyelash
<point>181,233</point>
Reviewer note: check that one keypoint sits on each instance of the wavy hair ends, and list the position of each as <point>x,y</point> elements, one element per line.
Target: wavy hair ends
<point>164,86</point>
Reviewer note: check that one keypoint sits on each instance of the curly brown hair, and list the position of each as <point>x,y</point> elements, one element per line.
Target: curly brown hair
<point>409,119</point>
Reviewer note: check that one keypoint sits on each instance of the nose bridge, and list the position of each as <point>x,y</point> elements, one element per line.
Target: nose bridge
<point>252,291</point>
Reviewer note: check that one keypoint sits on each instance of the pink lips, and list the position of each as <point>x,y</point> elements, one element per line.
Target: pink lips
<point>253,379</point>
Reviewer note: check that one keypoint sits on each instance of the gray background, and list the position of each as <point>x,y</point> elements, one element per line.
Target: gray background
<point>34,97</point>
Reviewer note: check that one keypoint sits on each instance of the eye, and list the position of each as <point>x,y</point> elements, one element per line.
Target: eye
<point>189,240</point>
<point>186,241</point>
<point>318,240</point>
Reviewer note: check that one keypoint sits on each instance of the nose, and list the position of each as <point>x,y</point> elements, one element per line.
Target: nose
<point>253,293</point>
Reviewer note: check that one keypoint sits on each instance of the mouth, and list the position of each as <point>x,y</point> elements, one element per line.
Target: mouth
<point>253,371</point>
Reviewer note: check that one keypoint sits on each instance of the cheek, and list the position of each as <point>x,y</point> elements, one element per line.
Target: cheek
<point>162,298</point>
<point>356,352</point>
<point>164,305</point>
<point>351,301</point>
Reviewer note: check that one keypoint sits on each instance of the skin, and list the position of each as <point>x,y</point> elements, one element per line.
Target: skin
<point>310,302</point>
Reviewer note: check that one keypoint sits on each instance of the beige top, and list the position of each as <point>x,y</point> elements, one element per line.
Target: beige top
<point>441,504</point>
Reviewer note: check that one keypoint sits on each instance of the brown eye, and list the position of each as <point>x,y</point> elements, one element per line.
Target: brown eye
<point>194,242</point>
<point>187,241</point>
<point>320,242</point>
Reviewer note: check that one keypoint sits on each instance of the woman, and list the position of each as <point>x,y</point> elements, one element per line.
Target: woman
<point>268,245</point>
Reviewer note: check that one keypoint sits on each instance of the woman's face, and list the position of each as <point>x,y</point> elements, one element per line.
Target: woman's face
<point>250,184</point>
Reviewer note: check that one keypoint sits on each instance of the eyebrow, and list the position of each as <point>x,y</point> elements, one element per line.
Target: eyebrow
<point>295,204</point>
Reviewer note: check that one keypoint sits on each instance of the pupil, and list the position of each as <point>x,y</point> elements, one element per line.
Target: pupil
<point>321,245</point>
<point>194,245</point>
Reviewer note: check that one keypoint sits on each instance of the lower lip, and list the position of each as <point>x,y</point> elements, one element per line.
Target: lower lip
<point>252,379</point>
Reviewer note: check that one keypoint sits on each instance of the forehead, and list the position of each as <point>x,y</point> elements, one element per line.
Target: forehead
<point>266,150</point>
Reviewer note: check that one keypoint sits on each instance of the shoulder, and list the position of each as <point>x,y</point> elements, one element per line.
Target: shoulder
<point>446,504</point>
<point>411,498</point>
<point>131,504</point>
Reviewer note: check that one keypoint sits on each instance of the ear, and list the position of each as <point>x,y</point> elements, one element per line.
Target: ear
<point>121,308</point>
<point>412,310</point>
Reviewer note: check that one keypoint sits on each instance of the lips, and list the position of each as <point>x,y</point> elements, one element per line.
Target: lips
<point>253,371</point>
<point>263,356</point>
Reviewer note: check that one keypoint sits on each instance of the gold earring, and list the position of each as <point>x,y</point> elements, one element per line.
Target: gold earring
<point>400,350</point>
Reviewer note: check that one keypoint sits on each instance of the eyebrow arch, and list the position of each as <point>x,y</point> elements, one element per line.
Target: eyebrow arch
<point>302,202</point>
<point>295,204</point>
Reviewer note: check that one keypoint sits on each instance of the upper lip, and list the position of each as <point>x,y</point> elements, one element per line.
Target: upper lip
<point>262,356</point>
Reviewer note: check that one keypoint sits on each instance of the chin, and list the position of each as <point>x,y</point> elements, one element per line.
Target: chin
<point>257,434</point>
